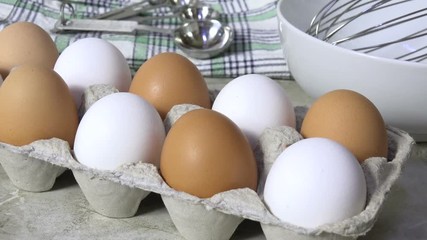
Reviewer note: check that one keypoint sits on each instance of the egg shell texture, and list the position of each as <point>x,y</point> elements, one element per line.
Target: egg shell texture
<point>350,119</point>
<point>315,181</point>
<point>168,79</point>
<point>35,103</point>
<point>117,129</point>
<point>206,153</point>
<point>25,42</point>
<point>272,142</point>
<point>255,102</point>
<point>90,61</point>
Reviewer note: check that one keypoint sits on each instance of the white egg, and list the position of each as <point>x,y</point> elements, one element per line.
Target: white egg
<point>314,182</point>
<point>92,61</point>
<point>255,102</point>
<point>117,129</point>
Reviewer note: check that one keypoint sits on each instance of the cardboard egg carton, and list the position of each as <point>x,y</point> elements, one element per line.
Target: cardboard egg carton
<point>119,193</point>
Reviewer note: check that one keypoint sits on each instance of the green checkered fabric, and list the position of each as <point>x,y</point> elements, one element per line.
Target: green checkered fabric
<point>256,47</point>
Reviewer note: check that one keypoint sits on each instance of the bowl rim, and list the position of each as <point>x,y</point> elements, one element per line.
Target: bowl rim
<point>341,50</point>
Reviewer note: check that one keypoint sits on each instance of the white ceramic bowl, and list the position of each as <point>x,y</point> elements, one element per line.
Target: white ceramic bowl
<point>397,88</point>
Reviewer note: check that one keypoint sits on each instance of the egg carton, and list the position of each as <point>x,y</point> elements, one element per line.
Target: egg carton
<point>119,193</point>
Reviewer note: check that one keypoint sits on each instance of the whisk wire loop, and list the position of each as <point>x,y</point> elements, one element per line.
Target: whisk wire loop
<point>335,20</point>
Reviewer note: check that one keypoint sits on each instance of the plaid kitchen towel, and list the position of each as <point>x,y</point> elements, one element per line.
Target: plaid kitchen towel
<point>256,47</point>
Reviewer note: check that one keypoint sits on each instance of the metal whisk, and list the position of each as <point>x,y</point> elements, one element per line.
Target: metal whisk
<point>388,28</point>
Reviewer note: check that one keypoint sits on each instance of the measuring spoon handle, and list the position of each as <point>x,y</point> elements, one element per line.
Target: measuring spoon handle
<point>135,11</point>
<point>153,18</point>
<point>146,28</point>
<point>112,13</point>
<point>107,26</point>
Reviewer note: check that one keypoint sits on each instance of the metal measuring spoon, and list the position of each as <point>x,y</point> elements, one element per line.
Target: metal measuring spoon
<point>203,39</point>
<point>175,6</point>
<point>137,5</point>
<point>186,14</point>
<point>197,39</point>
<point>156,2</point>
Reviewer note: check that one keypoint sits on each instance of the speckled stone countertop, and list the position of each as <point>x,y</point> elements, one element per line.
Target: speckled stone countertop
<point>64,213</point>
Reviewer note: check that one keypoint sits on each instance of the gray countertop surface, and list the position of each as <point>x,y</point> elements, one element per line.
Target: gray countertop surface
<point>64,213</point>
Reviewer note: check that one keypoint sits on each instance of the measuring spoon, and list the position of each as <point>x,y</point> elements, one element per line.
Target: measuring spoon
<point>175,6</point>
<point>186,14</point>
<point>137,5</point>
<point>197,39</point>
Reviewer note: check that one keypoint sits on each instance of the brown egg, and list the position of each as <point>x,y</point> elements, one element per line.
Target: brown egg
<point>350,119</point>
<point>25,42</point>
<point>168,79</point>
<point>206,153</point>
<point>35,103</point>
